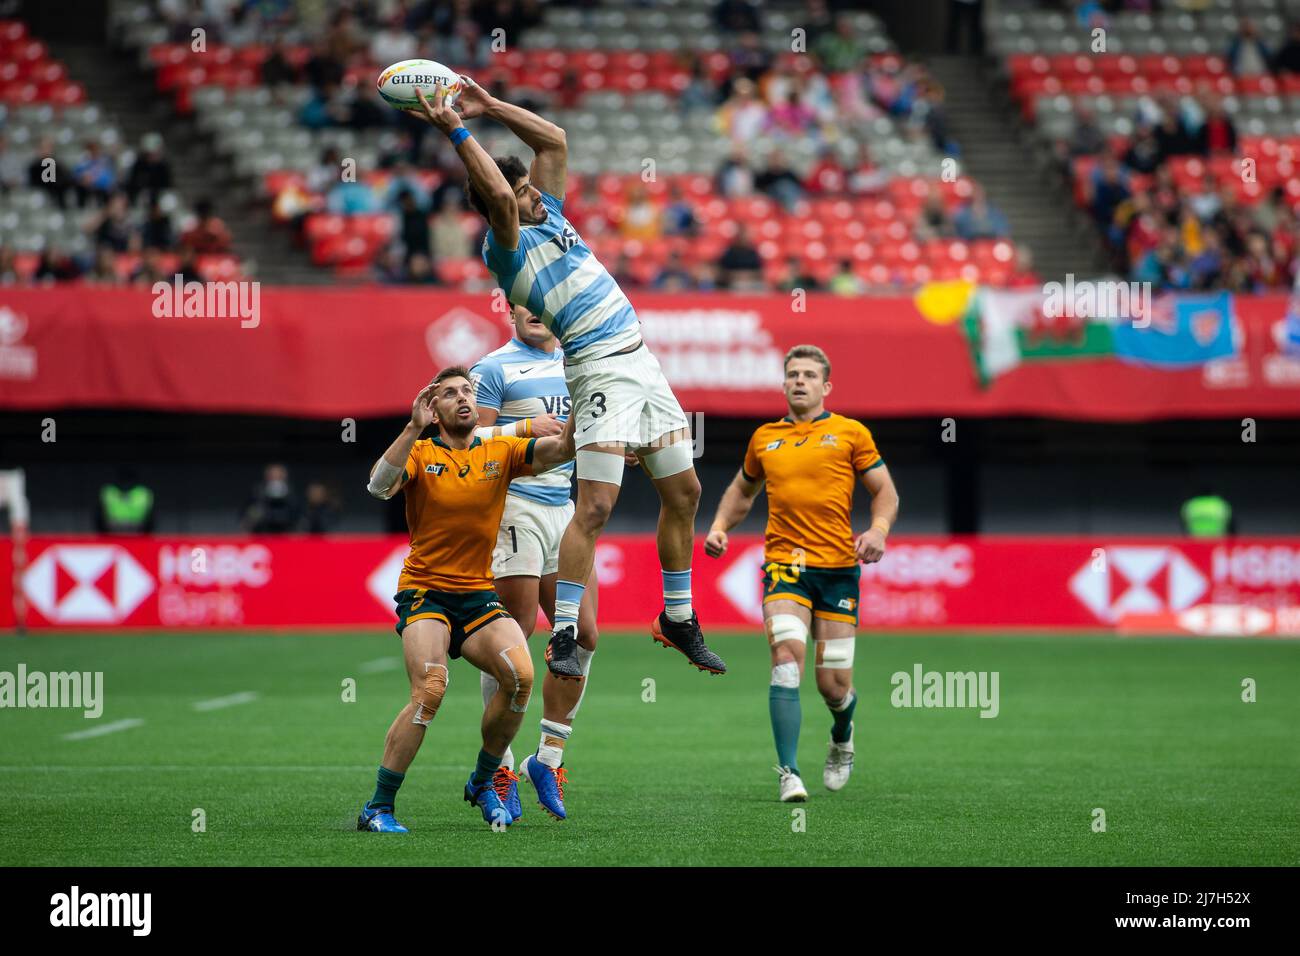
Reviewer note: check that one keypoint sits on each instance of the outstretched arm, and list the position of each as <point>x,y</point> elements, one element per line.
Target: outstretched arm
<point>388,474</point>
<point>488,181</point>
<point>547,141</point>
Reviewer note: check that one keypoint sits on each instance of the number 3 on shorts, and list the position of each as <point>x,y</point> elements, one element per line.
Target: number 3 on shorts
<point>599,399</point>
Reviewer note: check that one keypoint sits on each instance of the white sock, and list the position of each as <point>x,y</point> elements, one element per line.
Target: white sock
<point>584,661</point>
<point>489,686</point>
<point>549,754</point>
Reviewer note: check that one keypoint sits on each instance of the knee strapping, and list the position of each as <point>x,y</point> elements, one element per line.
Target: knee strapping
<point>787,627</point>
<point>785,675</point>
<point>428,697</point>
<point>836,654</point>
<point>518,676</point>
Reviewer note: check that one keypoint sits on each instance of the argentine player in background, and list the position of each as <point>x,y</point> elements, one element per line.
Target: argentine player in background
<point>621,400</point>
<point>524,379</point>
<point>810,461</point>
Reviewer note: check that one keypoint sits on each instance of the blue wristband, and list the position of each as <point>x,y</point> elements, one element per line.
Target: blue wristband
<point>458,135</point>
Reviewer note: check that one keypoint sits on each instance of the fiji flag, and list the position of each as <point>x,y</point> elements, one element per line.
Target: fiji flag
<point>1185,331</point>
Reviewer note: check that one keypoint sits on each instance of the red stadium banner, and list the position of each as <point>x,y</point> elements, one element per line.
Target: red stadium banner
<point>200,582</point>
<point>363,352</point>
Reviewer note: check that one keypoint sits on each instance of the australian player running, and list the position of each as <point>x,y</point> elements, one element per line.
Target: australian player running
<point>524,381</point>
<point>810,462</point>
<point>621,400</point>
<point>455,486</point>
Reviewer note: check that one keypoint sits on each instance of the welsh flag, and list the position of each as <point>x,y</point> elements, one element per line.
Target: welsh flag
<point>1008,327</point>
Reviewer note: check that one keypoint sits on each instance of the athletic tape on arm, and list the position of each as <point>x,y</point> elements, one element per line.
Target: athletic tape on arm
<point>383,479</point>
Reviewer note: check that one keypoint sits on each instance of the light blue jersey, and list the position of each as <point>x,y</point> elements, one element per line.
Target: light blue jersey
<point>555,276</point>
<point>521,382</point>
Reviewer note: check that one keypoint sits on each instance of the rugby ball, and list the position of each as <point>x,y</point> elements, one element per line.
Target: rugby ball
<point>397,84</point>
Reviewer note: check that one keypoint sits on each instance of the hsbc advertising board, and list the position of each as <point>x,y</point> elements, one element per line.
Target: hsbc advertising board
<point>347,581</point>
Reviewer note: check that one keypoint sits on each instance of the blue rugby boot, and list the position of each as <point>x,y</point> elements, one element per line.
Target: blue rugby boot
<point>506,783</point>
<point>548,783</point>
<point>379,820</point>
<point>486,799</point>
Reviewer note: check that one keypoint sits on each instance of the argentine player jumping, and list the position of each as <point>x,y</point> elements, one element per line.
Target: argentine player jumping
<point>810,461</point>
<point>524,379</point>
<point>621,400</point>
<point>455,485</point>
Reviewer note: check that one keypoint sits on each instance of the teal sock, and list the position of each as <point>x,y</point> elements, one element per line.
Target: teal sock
<point>484,769</point>
<point>783,703</point>
<point>842,729</point>
<point>386,788</point>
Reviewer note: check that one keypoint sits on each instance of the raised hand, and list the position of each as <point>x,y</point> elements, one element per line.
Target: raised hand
<point>436,110</point>
<point>474,100</point>
<point>422,408</point>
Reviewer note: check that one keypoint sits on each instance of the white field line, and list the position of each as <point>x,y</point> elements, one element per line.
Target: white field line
<point>231,700</point>
<point>103,729</point>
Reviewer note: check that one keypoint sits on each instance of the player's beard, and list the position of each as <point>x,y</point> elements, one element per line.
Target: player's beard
<point>458,429</point>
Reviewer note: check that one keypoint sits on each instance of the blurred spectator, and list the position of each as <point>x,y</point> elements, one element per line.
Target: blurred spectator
<point>679,215</point>
<point>103,270</point>
<point>208,234</point>
<point>125,505</point>
<point>699,93</point>
<point>1086,139</point>
<point>94,174</point>
<point>844,281</point>
<point>794,277</point>
<point>150,269</point>
<point>1247,54</point>
<point>112,227</point>
<point>392,42</point>
<point>1106,188</point>
<point>674,276</point>
<point>866,178</point>
<point>448,235</point>
<point>779,181</point>
<point>322,510</point>
<point>55,265</point>
<point>737,16</point>
<point>735,177</point>
<point>1171,137</point>
<point>8,265</point>
<point>13,170</point>
<point>388,268</point>
<point>743,116</point>
<point>272,508</point>
<point>640,216</point>
<point>419,270</point>
<point>965,22</point>
<point>933,221</point>
<point>278,69</point>
<point>156,231</point>
<point>1143,155</point>
<point>842,50</point>
<point>739,263</point>
<point>42,172</point>
<point>352,198</point>
<point>151,174</point>
<point>1288,57</point>
<point>704,276</point>
<point>1218,134</point>
<point>413,226</point>
<point>977,219</point>
<point>187,266</point>
<point>827,176</point>
<point>789,118</point>
<point>749,58</point>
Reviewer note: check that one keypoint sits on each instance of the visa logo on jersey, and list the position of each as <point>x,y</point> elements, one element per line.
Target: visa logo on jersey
<point>558,405</point>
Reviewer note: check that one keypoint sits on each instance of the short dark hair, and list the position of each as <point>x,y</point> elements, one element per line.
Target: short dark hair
<point>452,371</point>
<point>512,168</point>
<point>810,352</point>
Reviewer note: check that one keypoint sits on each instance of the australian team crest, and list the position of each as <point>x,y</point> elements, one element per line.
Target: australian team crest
<point>830,441</point>
<point>492,469</point>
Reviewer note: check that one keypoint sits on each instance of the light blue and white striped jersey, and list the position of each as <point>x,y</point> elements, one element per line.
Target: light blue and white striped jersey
<point>520,382</point>
<point>555,276</point>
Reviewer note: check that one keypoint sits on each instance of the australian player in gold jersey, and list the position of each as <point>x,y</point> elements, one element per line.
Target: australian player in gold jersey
<point>810,461</point>
<point>455,486</point>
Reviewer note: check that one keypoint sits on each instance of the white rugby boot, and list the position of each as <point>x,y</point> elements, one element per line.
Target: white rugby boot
<point>839,763</point>
<point>792,788</point>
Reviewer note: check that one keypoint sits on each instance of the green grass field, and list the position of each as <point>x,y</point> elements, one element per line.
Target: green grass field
<point>1154,732</point>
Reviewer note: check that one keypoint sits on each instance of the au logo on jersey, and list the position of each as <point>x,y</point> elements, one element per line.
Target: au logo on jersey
<point>847,604</point>
<point>774,445</point>
<point>435,469</point>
